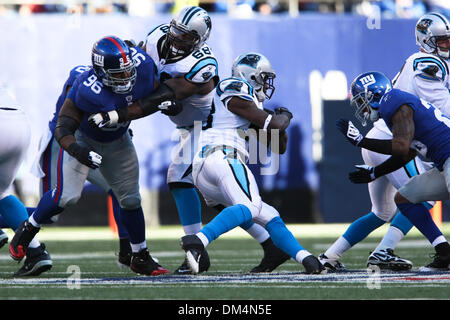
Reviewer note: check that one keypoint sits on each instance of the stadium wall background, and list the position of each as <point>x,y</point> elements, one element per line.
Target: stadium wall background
<point>41,49</point>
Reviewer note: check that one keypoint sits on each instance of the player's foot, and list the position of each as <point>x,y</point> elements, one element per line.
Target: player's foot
<point>124,255</point>
<point>386,259</point>
<point>313,266</point>
<point>439,263</point>
<point>332,264</point>
<point>183,269</point>
<point>22,238</point>
<point>143,263</point>
<point>196,254</point>
<point>3,238</point>
<point>37,261</point>
<point>273,257</point>
<point>124,259</point>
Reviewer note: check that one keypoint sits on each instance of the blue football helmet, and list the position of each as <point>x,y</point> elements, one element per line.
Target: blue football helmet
<point>113,65</point>
<point>366,91</point>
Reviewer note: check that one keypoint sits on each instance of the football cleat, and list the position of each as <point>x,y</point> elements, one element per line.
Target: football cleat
<point>439,263</point>
<point>3,238</point>
<point>273,258</point>
<point>386,259</point>
<point>313,266</point>
<point>22,238</point>
<point>124,259</point>
<point>332,265</point>
<point>196,255</point>
<point>143,263</point>
<point>183,269</point>
<point>124,255</point>
<point>37,261</point>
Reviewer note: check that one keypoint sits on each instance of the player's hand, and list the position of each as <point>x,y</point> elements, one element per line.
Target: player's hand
<point>349,130</point>
<point>103,119</point>
<point>85,155</point>
<point>285,111</point>
<point>364,174</point>
<point>170,107</point>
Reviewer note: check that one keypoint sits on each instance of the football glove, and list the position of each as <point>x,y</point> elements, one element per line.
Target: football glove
<point>170,107</point>
<point>85,156</point>
<point>364,174</point>
<point>349,131</point>
<point>104,119</point>
<point>285,111</point>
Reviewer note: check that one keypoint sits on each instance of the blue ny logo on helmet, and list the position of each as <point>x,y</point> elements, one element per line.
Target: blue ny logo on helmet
<point>367,90</point>
<point>113,64</point>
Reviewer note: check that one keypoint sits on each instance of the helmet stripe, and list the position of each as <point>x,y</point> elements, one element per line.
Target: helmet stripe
<point>443,20</point>
<point>186,14</point>
<point>119,47</point>
<point>192,14</point>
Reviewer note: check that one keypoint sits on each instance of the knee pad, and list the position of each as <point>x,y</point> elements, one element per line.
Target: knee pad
<point>130,202</point>
<point>65,202</point>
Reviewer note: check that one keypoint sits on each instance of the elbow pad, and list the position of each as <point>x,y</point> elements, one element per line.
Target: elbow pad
<point>150,103</point>
<point>66,126</point>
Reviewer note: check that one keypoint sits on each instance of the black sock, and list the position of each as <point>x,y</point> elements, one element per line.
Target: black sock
<point>125,245</point>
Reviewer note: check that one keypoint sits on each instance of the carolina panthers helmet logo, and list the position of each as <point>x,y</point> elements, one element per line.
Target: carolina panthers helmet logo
<point>423,25</point>
<point>251,60</point>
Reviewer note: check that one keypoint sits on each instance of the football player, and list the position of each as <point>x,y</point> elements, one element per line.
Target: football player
<point>119,76</point>
<point>15,133</point>
<point>46,168</point>
<point>424,74</point>
<point>416,126</point>
<point>219,169</point>
<point>187,71</point>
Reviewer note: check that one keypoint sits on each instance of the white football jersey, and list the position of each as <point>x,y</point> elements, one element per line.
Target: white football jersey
<point>198,67</point>
<point>426,76</point>
<point>226,127</point>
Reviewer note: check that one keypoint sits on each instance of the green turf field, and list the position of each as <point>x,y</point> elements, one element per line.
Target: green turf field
<point>85,268</point>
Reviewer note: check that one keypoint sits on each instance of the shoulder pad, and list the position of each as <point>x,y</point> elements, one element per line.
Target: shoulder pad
<point>235,87</point>
<point>430,68</point>
<point>203,71</point>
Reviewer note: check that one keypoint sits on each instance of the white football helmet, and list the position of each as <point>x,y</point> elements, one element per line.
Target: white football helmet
<point>431,29</point>
<point>188,31</point>
<point>257,70</point>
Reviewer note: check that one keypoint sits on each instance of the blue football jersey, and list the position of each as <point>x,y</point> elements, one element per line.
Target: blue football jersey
<point>91,96</point>
<point>74,73</point>
<point>432,128</point>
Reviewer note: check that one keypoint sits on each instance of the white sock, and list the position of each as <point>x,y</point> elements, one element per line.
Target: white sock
<point>258,232</point>
<point>34,243</point>
<point>338,248</point>
<point>33,222</point>
<point>136,247</point>
<point>192,228</point>
<point>302,254</point>
<point>438,240</point>
<point>390,240</point>
<point>203,238</point>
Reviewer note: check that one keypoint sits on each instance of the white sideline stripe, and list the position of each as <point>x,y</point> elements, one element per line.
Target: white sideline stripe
<point>373,245</point>
<point>176,232</point>
<point>358,277</point>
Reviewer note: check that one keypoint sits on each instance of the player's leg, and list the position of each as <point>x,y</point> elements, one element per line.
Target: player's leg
<point>383,256</point>
<point>228,181</point>
<point>124,256</point>
<point>381,195</point>
<point>70,177</point>
<point>431,185</point>
<point>120,168</point>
